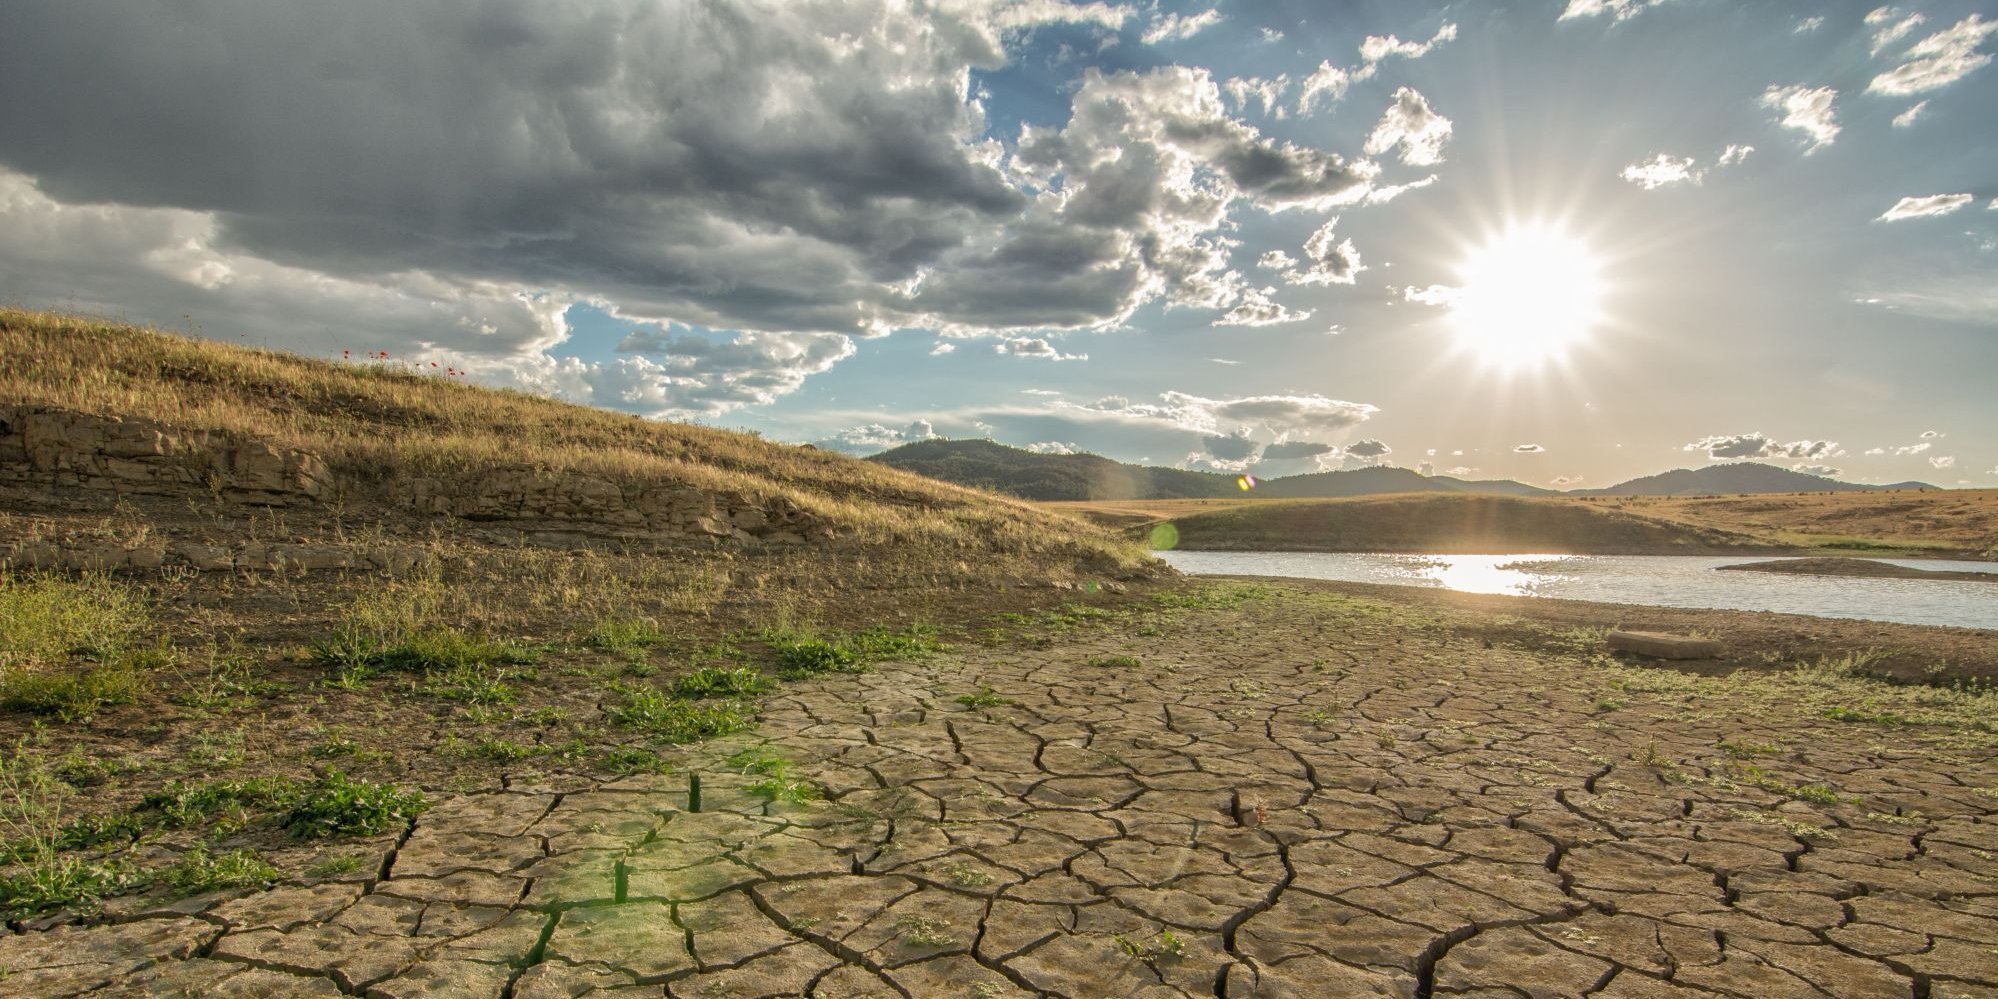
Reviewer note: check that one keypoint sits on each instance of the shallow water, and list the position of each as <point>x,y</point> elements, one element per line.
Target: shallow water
<point>1655,580</point>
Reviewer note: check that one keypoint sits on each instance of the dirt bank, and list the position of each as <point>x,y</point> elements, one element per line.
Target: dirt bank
<point>1860,567</point>
<point>1754,639</point>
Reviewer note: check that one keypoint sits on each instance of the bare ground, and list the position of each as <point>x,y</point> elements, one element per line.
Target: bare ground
<point>1267,790</point>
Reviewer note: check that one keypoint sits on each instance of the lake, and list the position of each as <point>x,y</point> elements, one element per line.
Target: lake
<point>1654,580</point>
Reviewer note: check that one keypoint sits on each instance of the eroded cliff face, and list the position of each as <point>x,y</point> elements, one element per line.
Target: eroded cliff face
<point>62,460</point>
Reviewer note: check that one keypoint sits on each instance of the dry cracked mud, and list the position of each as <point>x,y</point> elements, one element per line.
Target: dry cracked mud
<point>1274,800</point>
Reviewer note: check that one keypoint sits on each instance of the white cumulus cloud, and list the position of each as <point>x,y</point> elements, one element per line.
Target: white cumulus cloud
<point>1907,118</point>
<point>1809,110</point>
<point>1033,346</point>
<point>1410,123</point>
<point>1663,170</point>
<point>1173,27</point>
<point>1927,206</point>
<point>1620,10</point>
<point>1939,60</point>
<point>1258,308</point>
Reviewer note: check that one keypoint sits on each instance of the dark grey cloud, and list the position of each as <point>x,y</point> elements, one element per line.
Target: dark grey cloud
<point>1529,449</point>
<point>1293,450</point>
<point>1238,446</point>
<point>1368,449</point>
<point>727,163</point>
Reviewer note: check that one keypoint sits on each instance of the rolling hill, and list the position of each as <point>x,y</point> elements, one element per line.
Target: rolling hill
<point>1439,523</point>
<point>984,464</point>
<point>187,446</point>
<point>1740,477</point>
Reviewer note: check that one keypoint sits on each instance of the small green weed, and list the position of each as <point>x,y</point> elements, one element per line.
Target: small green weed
<point>631,760</point>
<point>671,719</point>
<point>778,788</point>
<point>925,931</point>
<point>503,751</point>
<point>472,684</point>
<point>336,866</point>
<point>199,871</point>
<point>179,805</point>
<point>985,698</point>
<point>339,805</point>
<point>803,653</point>
<point>716,681</point>
<point>1743,749</point>
<point>1114,662</point>
<point>621,634</point>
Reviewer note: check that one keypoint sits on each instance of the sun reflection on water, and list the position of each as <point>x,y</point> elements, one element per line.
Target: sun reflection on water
<point>1514,575</point>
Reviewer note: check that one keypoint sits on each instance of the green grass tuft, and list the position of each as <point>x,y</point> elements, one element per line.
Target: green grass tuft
<point>339,805</point>
<point>199,871</point>
<point>674,720</point>
<point>715,681</point>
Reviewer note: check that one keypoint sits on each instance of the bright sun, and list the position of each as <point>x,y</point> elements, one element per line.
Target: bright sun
<point>1526,296</point>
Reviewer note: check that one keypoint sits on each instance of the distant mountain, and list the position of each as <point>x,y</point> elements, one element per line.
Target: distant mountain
<point>984,464</point>
<point>1738,477</point>
<point>1386,479</point>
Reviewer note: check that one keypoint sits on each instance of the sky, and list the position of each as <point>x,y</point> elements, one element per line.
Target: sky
<point>1567,242</point>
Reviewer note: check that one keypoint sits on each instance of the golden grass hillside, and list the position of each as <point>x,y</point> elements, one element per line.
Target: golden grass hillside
<point>1943,523</point>
<point>379,427</point>
<point>1421,522</point>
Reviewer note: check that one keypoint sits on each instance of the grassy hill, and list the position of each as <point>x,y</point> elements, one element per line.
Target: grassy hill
<point>396,446</point>
<point>983,464</point>
<point>1446,524</point>
<point>1739,477</point>
<point>1956,522</point>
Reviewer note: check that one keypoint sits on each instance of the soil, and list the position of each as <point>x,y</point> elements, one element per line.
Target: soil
<point>1860,567</point>
<point>1754,640</point>
<point>1243,790</point>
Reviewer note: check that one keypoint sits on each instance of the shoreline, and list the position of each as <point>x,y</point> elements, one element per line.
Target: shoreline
<point>1761,640</point>
<point>1860,568</point>
<point>1943,555</point>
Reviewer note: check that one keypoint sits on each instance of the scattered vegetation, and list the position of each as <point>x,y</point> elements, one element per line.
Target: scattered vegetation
<point>199,871</point>
<point>674,720</point>
<point>804,653</point>
<point>1165,944</point>
<point>739,683</point>
<point>69,647</point>
<point>1114,662</point>
<point>985,698</point>
<point>925,931</point>
<point>338,805</point>
<point>623,634</point>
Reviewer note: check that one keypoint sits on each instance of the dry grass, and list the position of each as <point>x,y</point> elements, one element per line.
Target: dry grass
<point>1951,522</point>
<point>1428,522</point>
<point>1916,523</point>
<point>379,423</point>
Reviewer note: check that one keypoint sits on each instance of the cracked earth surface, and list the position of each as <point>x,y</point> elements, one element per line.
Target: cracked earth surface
<point>1281,800</point>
